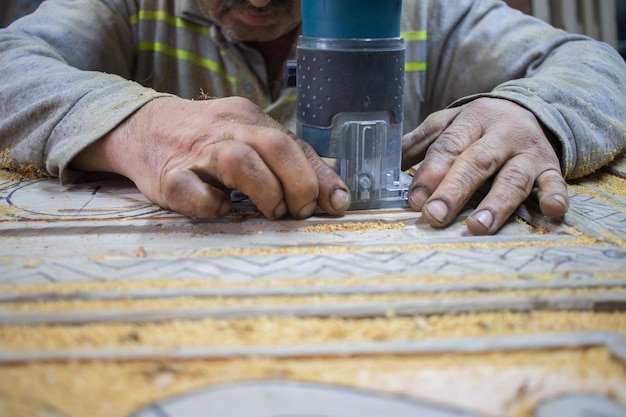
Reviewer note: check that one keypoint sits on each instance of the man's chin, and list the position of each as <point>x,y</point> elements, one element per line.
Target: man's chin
<point>256,34</point>
<point>255,20</point>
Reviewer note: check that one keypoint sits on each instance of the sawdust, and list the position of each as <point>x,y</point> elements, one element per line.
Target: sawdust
<point>117,389</point>
<point>537,230</point>
<point>611,184</point>
<point>213,283</point>
<point>582,240</point>
<point>291,331</point>
<point>246,214</point>
<point>12,212</point>
<point>12,171</point>
<point>359,227</point>
<point>616,240</point>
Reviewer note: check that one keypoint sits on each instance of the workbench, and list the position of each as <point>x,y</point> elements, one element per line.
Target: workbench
<point>111,306</point>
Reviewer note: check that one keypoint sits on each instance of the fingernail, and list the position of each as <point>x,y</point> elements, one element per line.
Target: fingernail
<point>340,199</point>
<point>280,210</point>
<point>438,209</point>
<point>484,217</point>
<point>560,200</point>
<point>418,197</point>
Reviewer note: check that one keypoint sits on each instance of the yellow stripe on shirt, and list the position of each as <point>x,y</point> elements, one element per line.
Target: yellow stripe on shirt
<point>416,36</point>
<point>186,56</point>
<point>168,18</point>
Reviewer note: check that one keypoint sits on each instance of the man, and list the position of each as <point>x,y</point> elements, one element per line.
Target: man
<point>112,85</point>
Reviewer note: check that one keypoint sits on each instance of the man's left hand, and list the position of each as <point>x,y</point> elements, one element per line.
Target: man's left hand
<point>463,148</point>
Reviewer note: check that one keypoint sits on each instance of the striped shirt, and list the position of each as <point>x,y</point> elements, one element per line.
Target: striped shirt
<point>75,69</point>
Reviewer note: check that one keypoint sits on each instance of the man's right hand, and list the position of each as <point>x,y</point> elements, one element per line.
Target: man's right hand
<point>187,155</point>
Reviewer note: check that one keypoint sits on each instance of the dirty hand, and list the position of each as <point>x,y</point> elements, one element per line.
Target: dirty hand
<point>464,147</point>
<point>187,155</point>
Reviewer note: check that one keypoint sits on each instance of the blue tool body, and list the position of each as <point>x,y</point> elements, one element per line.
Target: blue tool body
<point>349,76</point>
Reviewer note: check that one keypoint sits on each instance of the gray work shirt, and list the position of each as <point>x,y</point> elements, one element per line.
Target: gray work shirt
<point>75,69</point>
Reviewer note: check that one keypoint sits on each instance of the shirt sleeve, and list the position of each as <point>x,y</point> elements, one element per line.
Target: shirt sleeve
<point>64,81</point>
<point>574,85</point>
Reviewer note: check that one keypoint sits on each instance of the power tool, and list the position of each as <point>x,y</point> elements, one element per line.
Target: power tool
<point>349,78</point>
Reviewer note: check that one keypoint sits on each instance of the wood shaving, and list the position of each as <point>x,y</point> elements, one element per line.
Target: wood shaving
<point>291,331</point>
<point>121,388</point>
<point>12,171</point>
<point>352,227</point>
<point>164,283</point>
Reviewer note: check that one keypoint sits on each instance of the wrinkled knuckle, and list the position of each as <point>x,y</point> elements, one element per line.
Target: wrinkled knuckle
<point>249,169</point>
<point>230,154</point>
<point>485,160</point>
<point>275,142</point>
<point>516,179</point>
<point>555,178</point>
<point>322,170</point>
<point>449,143</point>
<point>415,137</point>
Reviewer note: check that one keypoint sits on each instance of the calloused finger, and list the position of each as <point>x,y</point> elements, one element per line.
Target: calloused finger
<point>512,185</point>
<point>334,195</point>
<point>551,191</point>
<point>236,165</point>
<point>282,154</point>
<point>440,158</point>
<point>475,166</point>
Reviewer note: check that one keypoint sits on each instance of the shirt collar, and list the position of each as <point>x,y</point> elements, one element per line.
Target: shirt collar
<point>189,10</point>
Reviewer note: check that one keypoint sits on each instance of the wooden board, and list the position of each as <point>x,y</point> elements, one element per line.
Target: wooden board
<point>111,306</point>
